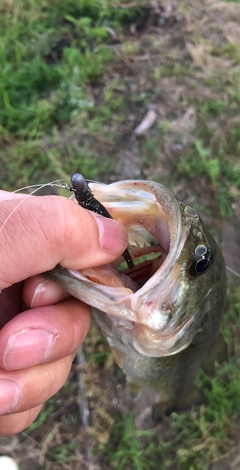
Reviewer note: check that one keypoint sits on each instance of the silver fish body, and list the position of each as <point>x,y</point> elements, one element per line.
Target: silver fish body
<point>162,317</point>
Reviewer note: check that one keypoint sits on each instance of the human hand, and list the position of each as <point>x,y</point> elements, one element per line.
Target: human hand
<point>42,326</point>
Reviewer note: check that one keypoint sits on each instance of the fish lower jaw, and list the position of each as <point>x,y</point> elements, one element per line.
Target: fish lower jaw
<point>159,350</point>
<point>157,343</point>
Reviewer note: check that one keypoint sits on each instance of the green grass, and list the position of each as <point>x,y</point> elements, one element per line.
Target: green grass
<point>43,86</point>
<point>124,449</point>
<point>51,53</point>
<point>49,407</point>
<point>213,155</point>
<point>176,70</point>
<point>48,54</point>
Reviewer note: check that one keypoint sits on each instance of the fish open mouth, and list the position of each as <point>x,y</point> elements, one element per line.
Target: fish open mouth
<point>147,259</point>
<point>137,297</point>
<point>152,222</point>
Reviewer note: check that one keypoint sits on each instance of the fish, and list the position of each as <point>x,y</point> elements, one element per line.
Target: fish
<point>161,314</point>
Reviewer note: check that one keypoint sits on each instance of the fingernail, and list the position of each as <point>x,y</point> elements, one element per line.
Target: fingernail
<point>47,292</point>
<point>10,395</point>
<point>28,348</point>
<point>112,235</point>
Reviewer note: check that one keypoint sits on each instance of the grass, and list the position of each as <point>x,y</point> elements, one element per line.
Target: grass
<point>76,78</point>
<point>42,82</point>
<point>50,55</point>
<point>124,447</point>
<point>47,411</point>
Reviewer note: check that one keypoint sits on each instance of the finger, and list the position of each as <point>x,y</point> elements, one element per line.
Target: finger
<point>22,390</point>
<point>6,195</point>
<point>36,233</point>
<point>44,334</point>
<point>39,291</point>
<point>17,422</point>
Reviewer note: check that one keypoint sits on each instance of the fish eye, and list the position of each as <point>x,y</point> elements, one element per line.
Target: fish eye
<point>202,260</point>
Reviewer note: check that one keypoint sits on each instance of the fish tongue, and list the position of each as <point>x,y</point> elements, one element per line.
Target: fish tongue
<point>108,276</point>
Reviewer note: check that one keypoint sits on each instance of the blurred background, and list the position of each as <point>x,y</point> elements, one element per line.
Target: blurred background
<point>117,90</point>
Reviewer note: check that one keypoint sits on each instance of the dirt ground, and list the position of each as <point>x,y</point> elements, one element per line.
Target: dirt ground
<point>166,33</point>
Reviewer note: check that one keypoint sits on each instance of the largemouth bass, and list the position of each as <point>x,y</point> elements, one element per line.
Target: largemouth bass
<point>161,317</point>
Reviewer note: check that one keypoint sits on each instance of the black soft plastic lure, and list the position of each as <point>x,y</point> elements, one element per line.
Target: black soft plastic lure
<point>86,199</point>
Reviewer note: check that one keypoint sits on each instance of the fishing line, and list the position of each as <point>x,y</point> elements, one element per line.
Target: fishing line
<point>59,183</point>
<point>232,271</point>
<point>39,186</point>
<point>31,439</point>
<point>52,183</point>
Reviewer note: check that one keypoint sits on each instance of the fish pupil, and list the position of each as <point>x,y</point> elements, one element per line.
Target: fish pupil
<point>202,265</point>
<point>202,260</point>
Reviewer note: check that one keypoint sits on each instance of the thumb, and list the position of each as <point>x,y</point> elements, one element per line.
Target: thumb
<point>36,233</point>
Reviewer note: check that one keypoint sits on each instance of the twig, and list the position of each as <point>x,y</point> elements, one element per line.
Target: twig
<point>146,123</point>
<point>126,5</point>
<point>46,442</point>
<point>82,398</point>
<point>84,408</point>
